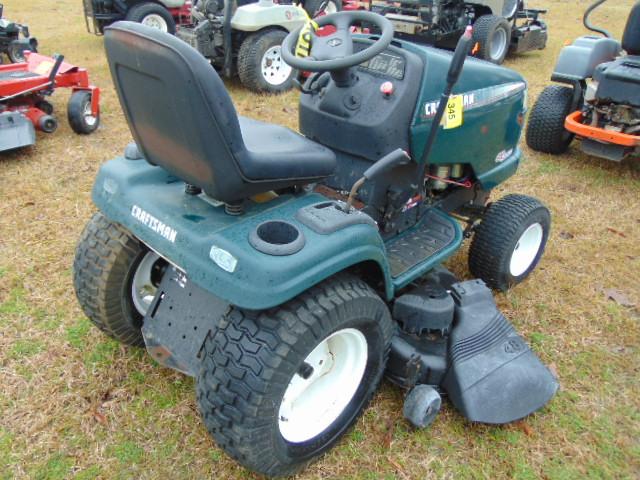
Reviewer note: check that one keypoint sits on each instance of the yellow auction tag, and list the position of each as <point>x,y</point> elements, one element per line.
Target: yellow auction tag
<point>303,46</point>
<point>44,68</point>
<point>453,113</point>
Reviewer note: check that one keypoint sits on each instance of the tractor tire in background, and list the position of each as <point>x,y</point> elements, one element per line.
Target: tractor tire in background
<point>545,129</point>
<point>326,7</point>
<point>279,387</point>
<point>115,277</point>
<point>79,114</point>
<point>152,15</point>
<point>493,36</point>
<point>510,240</point>
<point>260,64</point>
<point>15,52</point>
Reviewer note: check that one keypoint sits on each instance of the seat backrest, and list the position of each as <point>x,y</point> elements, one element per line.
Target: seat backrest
<point>177,108</point>
<point>631,37</point>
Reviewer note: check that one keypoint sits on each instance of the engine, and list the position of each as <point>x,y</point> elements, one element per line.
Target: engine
<point>205,34</point>
<point>437,18</point>
<point>612,99</point>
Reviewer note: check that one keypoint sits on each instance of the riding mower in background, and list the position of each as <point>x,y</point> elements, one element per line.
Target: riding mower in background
<point>161,14</point>
<point>24,109</point>
<point>601,104</point>
<point>245,40</point>
<point>15,39</point>
<point>286,272</point>
<point>166,15</point>
<point>499,26</point>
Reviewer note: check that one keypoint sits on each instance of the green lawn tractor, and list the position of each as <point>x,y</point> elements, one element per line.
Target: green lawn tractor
<point>499,26</point>
<point>287,272</point>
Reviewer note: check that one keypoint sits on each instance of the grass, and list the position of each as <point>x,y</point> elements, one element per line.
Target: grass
<point>74,404</point>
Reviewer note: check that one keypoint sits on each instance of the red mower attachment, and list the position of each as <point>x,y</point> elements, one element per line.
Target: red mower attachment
<point>23,105</point>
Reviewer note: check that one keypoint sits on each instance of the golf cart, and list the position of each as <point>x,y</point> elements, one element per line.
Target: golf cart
<point>286,272</point>
<point>600,99</point>
<point>245,40</point>
<point>499,26</point>
<point>15,39</point>
<point>165,15</point>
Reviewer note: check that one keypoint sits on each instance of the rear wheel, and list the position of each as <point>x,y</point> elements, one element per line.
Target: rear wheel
<point>260,64</point>
<point>510,240</point>
<point>80,114</point>
<point>295,378</point>
<point>493,35</point>
<point>545,130</point>
<point>152,15</point>
<point>115,277</point>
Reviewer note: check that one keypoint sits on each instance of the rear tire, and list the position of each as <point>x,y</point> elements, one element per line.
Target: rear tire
<point>106,262</point>
<point>152,15</point>
<point>510,240</point>
<point>79,114</point>
<point>545,130</point>
<point>260,65</point>
<point>493,34</point>
<point>15,52</point>
<point>256,363</point>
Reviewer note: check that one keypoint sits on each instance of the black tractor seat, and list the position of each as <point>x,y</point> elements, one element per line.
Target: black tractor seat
<point>183,120</point>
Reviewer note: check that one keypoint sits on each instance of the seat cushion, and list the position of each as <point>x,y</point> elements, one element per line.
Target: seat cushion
<point>275,152</point>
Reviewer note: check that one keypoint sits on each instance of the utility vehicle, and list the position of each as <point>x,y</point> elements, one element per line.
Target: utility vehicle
<point>24,88</point>
<point>286,271</point>
<point>500,26</point>
<point>245,40</point>
<point>165,15</point>
<point>599,101</point>
<point>15,39</point>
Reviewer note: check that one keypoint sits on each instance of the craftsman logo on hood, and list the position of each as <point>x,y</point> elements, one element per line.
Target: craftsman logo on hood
<point>478,98</point>
<point>154,224</point>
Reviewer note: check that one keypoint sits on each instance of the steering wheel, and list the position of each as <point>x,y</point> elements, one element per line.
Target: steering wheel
<point>335,52</point>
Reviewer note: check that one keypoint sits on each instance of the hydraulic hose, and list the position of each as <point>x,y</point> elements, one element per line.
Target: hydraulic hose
<point>587,23</point>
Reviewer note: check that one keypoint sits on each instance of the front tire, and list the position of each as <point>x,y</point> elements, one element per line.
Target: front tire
<point>114,276</point>
<point>152,15</point>
<point>260,64</point>
<point>545,130</point>
<point>493,35</point>
<point>277,388</point>
<point>510,240</point>
<point>80,115</point>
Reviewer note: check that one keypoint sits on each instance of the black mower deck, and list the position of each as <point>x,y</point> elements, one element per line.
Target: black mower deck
<point>432,236</point>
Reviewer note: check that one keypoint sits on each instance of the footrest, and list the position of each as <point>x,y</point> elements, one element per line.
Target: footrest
<point>433,236</point>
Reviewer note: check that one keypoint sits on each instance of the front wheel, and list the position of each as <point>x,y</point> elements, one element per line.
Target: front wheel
<point>152,15</point>
<point>260,64</point>
<point>545,129</point>
<point>115,277</point>
<point>80,114</point>
<point>510,240</point>
<point>293,379</point>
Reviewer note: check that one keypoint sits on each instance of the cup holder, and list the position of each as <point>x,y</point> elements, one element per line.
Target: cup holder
<point>277,237</point>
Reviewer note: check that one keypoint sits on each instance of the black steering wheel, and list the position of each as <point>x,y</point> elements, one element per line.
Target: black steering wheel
<point>335,52</point>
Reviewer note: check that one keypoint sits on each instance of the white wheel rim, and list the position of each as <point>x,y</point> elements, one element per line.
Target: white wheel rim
<point>89,118</point>
<point>526,249</point>
<point>274,70</point>
<point>142,288</point>
<point>311,405</point>
<point>154,20</point>
<point>498,44</point>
